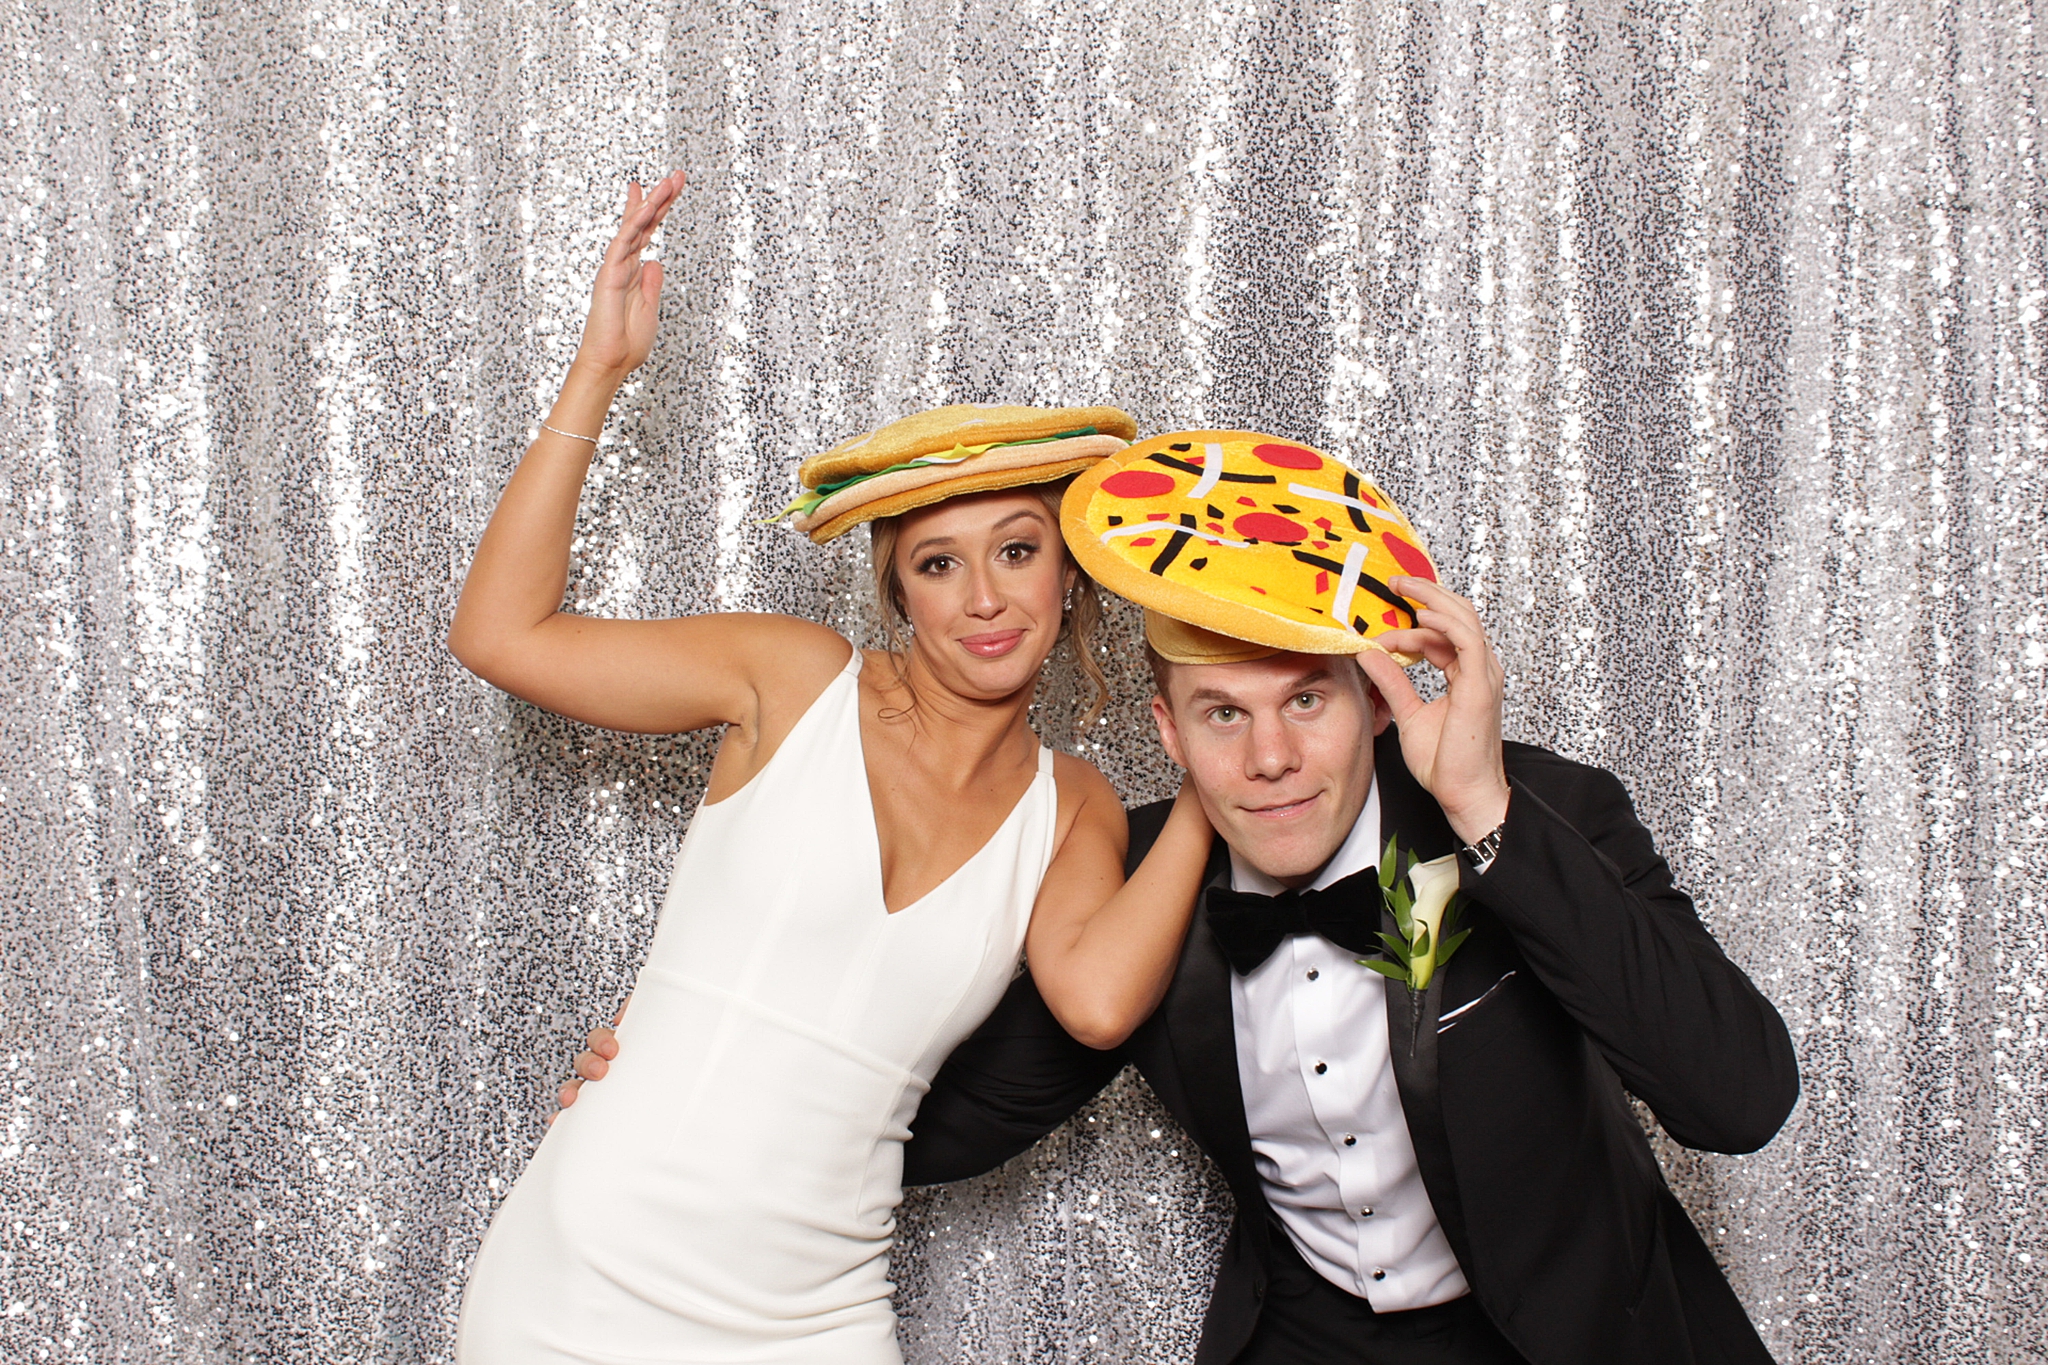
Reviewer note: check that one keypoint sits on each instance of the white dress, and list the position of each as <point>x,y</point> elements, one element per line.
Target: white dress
<point>728,1192</point>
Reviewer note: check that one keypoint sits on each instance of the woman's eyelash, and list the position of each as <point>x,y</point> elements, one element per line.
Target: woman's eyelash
<point>938,562</point>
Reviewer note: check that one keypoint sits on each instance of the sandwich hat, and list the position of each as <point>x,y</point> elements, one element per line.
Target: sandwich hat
<point>943,453</point>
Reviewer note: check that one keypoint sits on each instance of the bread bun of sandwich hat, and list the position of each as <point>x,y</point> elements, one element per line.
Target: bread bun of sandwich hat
<point>943,453</point>
<point>1240,545</point>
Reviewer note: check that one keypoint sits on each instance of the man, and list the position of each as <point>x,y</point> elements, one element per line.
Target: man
<point>1445,1175</point>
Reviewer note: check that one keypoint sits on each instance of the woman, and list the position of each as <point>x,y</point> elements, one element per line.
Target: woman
<point>849,903</point>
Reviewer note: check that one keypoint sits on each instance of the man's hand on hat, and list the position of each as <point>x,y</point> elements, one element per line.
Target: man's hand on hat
<point>1452,745</point>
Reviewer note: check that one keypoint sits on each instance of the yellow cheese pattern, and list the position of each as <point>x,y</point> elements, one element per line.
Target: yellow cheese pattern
<point>1261,539</point>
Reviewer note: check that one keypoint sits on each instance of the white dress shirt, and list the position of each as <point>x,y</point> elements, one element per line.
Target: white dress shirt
<point>1328,1134</point>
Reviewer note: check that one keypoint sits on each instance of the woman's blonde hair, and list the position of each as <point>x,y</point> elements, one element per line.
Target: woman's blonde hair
<point>1078,624</point>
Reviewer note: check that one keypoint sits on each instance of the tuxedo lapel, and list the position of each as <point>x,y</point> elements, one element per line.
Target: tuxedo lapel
<point>1407,812</point>
<point>1411,817</point>
<point>1201,1032</point>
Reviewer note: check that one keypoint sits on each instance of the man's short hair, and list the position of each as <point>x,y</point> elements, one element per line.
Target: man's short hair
<point>1159,665</point>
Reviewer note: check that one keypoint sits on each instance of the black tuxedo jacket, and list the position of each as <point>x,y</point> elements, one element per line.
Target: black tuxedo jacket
<point>1587,974</point>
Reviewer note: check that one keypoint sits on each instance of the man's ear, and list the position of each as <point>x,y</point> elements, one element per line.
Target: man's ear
<point>1169,736</point>
<point>1382,714</point>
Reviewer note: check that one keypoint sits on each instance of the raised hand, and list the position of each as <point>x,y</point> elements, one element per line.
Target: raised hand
<point>625,302</point>
<point>1452,745</point>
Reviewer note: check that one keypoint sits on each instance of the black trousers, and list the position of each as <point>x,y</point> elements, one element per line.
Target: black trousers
<point>1306,1320</point>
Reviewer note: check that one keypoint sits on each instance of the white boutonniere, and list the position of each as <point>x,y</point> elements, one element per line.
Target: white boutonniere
<point>1422,897</point>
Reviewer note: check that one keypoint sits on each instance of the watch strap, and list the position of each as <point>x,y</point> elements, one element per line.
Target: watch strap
<point>1482,851</point>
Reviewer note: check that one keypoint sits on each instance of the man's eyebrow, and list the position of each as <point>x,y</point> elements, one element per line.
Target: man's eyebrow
<point>1029,512</point>
<point>1321,673</point>
<point>1305,679</point>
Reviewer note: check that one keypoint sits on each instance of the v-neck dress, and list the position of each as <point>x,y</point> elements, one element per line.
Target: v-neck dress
<point>728,1193</point>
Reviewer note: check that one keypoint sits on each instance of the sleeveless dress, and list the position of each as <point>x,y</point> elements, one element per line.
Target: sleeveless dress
<point>728,1193</point>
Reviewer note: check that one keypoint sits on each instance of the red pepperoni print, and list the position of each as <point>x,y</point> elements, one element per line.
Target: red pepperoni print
<point>1392,618</point>
<point>1138,483</point>
<point>1411,560</point>
<point>1288,457</point>
<point>1140,542</point>
<point>1269,526</point>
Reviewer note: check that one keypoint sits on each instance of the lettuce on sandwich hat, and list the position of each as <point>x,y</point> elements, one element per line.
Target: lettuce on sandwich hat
<point>942,453</point>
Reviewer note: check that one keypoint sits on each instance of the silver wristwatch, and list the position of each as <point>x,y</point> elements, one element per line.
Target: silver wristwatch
<point>1482,851</point>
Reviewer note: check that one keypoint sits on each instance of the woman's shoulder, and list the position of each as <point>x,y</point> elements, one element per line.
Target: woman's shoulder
<point>1080,775</point>
<point>788,656</point>
<point>1083,788</point>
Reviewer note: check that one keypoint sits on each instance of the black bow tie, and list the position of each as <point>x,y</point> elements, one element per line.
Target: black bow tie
<point>1248,926</point>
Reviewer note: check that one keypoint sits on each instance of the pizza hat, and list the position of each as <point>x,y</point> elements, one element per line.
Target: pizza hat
<point>928,457</point>
<point>1240,545</point>
<point>1180,643</point>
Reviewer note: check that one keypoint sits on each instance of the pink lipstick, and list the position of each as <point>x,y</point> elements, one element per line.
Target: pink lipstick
<point>993,645</point>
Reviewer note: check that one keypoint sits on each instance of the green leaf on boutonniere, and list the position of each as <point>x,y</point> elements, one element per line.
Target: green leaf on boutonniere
<point>1422,897</point>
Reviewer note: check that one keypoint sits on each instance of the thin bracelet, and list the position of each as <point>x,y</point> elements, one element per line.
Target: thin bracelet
<point>570,434</point>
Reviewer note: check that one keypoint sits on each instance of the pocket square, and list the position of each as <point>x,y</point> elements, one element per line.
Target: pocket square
<point>1446,1022</point>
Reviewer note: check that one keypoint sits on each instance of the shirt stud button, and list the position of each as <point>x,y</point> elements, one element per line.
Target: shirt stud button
<point>1351,1140</point>
<point>1379,1274</point>
<point>1321,1067</point>
<point>1313,973</point>
<point>1367,1213</point>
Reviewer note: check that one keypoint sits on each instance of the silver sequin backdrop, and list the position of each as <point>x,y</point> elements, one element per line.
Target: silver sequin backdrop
<point>1705,341</point>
